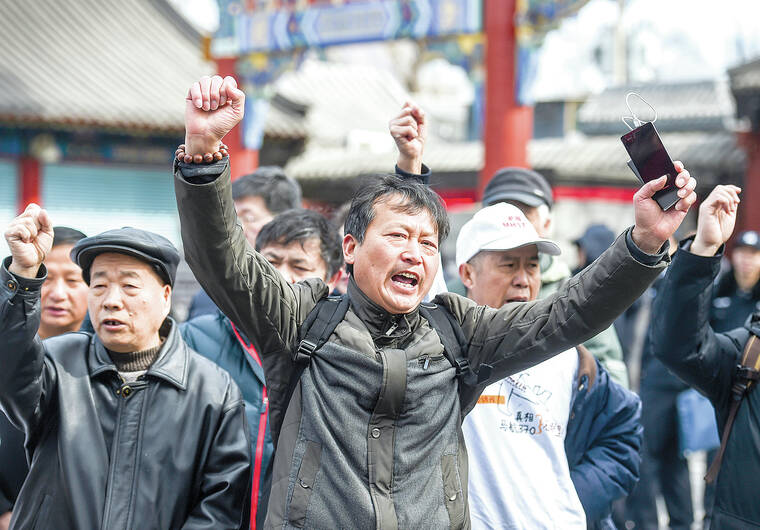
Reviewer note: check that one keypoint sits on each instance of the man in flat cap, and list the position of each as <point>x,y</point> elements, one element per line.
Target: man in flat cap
<point>126,427</point>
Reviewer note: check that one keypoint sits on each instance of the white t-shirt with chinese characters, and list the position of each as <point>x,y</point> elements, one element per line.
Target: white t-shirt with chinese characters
<point>519,475</point>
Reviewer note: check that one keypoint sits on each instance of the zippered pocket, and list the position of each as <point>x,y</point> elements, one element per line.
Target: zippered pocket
<point>426,360</point>
<point>452,490</point>
<point>307,473</point>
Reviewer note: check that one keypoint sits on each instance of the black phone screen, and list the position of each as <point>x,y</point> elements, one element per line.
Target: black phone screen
<point>649,155</point>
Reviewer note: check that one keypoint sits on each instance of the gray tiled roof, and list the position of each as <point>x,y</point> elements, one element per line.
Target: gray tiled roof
<point>338,99</point>
<point>693,106</point>
<point>107,63</point>
<point>707,155</point>
<point>602,159</point>
<point>319,163</point>
<point>283,123</point>
<point>745,76</point>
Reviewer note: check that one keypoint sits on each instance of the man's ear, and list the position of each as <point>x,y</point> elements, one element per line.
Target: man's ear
<point>467,274</point>
<point>349,248</point>
<point>166,295</point>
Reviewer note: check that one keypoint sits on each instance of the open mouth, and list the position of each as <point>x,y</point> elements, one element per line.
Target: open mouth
<point>518,299</point>
<point>111,324</point>
<point>407,280</point>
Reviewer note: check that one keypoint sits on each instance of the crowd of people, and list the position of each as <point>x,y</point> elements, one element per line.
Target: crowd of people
<point>327,378</point>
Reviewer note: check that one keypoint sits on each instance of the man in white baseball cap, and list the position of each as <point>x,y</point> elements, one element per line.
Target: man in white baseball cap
<point>551,446</point>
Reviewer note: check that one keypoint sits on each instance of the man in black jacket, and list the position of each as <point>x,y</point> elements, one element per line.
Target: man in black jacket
<point>63,308</point>
<point>683,339</point>
<point>126,427</point>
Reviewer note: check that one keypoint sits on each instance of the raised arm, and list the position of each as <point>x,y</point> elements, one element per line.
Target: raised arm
<point>27,380</point>
<point>239,280</point>
<point>521,335</point>
<point>680,333</point>
<point>409,131</point>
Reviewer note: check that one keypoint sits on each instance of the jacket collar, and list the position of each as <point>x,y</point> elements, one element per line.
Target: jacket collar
<point>172,364</point>
<point>380,323</point>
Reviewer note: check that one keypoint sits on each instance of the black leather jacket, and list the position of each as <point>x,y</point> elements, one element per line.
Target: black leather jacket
<point>170,450</point>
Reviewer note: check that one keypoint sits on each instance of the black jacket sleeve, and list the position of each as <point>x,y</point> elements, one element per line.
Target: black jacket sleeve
<point>423,177</point>
<point>680,332</point>
<point>225,484</point>
<point>27,377</point>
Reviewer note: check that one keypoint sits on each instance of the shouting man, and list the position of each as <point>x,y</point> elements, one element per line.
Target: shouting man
<point>368,434</point>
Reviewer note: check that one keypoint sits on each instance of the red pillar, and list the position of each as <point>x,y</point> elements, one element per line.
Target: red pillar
<point>749,213</point>
<point>508,126</point>
<point>28,182</point>
<point>242,160</point>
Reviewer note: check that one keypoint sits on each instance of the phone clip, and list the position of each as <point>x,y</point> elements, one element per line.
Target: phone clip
<point>633,117</point>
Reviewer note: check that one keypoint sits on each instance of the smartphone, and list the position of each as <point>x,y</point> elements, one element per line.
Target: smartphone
<point>650,161</point>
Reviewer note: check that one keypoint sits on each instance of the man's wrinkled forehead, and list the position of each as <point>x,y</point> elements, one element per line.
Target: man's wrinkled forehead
<point>528,252</point>
<point>402,206</point>
<point>121,265</point>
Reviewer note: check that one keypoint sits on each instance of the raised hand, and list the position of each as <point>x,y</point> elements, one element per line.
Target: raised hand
<point>653,225</point>
<point>409,131</point>
<point>29,238</point>
<point>717,218</point>
<point>213,106</point>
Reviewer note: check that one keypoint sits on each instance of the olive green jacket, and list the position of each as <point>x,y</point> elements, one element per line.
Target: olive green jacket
<point>605,346</point>
<point>371,437</point>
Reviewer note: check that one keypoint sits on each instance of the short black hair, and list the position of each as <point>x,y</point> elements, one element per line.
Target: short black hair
<point>415,197</point>
<point>279,191</point>
<point>299,225</point>
<point>63,235</point>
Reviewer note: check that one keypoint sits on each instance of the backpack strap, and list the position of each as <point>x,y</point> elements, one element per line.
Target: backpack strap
<point>319,325</point>
<point>454,345</point>
<point>314,332</point>
<point>746,374</point>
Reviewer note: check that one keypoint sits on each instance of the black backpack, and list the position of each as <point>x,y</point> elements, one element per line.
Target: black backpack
<point>330,311</point>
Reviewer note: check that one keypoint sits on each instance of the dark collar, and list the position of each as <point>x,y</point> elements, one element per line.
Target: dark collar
<point>171,365</point>
<point>381,324</point>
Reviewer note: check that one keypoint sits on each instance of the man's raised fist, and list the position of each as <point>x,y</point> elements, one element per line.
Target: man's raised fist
<point>30,238</point>
<point>213,106</point>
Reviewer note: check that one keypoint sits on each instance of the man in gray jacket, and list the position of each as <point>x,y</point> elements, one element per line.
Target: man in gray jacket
<point>371,437</point>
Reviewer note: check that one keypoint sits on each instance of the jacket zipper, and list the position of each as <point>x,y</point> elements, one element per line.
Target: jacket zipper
<point>259,456</point>
<point>391,329</point>
<point>112,464</point>
<point>124,391</point>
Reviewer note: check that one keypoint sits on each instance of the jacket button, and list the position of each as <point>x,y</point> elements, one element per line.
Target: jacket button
<point>375,433</point>
<point>11,285</point>
<point>453,497</point>
<point>126,391</point>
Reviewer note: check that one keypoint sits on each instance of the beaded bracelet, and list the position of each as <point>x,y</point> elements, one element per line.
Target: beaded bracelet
<point>206,158</point>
